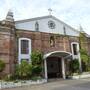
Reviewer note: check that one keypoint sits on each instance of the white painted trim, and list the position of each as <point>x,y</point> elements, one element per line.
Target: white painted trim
<point>24,56</point>
<point>48,54</point>
<point>45,68</point>
<point>75,56</point>
<point>63,68</point>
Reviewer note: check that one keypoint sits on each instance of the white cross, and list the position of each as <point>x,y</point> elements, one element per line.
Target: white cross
<point>50,11</point>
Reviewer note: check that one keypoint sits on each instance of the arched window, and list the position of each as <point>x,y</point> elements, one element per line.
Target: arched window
<point>24,49</point>
<point>75,48</point>
<point>37,26</point>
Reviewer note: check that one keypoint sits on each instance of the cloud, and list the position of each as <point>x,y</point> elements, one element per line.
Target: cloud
<point>73,12</point>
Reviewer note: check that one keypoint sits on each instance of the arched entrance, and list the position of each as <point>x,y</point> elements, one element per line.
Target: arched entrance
<point>54,68</point>
<point>54,63</point>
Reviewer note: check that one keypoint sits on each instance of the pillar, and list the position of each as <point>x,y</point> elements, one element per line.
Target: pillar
<point>63,68</point>
<point>45,68</point>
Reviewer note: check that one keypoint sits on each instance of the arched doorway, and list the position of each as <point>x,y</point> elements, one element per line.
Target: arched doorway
<point>54,63</point>
<point>54,68</point>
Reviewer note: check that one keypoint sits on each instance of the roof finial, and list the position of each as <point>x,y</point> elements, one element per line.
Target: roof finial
<point>9,16</point>
<point>50,11</point>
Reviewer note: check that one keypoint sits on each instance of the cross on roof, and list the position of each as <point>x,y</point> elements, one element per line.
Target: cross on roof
<point>50,11</point>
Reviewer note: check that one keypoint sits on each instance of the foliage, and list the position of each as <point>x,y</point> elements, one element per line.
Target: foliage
<point>82,37</point>
<point>9,77</point>
<point>84,56</point>
<point>36,58</point>
<point>24,70</point>
<point>2,65</point>
<point>83,52</point>
<point>36,70</point>
<point>85,60</point>
<point>75,66</point>
<point>36,78</point>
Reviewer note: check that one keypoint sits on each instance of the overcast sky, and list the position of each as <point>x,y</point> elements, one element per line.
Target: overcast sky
<point>72,12</point>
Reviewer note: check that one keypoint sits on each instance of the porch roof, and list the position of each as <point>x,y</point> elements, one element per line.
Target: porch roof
<point>63,54</point>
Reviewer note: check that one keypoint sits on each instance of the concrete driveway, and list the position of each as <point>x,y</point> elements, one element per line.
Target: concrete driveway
<point>83,84</point>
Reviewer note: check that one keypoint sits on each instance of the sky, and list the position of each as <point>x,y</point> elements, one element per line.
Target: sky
<point>76,13</point>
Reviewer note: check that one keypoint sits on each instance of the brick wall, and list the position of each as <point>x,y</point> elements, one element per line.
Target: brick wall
<point>41,41</point>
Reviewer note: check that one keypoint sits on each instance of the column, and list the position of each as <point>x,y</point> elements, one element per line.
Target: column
<point>45,68</point>
<point>79,58</point>
<point>80,65</point>
<point>63,68</point>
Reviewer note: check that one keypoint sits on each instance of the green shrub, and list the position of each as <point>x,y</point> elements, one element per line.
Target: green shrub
<point>36,70</point>
<point>75,66</point>
<point>8,77</point>
<point>23,70</point>
<point>37,59</point>
<point>2,65</point>
<point>26,70</point>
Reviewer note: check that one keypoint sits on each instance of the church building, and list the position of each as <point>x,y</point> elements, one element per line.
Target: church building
<point>58,41</point>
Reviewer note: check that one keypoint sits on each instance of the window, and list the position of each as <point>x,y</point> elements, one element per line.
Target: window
<point>75,49</point>
<point>52,41</point>
<point>51,24</point>
<point>36,26</point>
<point>24,47</point>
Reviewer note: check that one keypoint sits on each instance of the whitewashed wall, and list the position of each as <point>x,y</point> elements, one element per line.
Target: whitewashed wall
<point>43,26</point>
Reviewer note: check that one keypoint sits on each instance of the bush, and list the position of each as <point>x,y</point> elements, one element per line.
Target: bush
<point>26,70</point>
<point>85,60</point>
<point>9,77</point>
<point>2,65</point>
<point>36,70</point>
<point>23,70</point>
<point>75,66</point>
<point>37,59</point>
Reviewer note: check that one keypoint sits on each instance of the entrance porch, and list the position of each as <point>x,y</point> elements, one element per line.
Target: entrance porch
<point>54,64</point>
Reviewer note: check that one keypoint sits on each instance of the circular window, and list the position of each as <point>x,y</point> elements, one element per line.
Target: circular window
<point>51,24</point>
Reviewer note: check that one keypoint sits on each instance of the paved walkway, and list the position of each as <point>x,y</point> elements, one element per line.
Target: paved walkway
<point>83,84</point>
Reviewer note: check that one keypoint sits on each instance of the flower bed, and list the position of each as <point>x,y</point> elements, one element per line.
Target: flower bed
<point>12,84</point>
